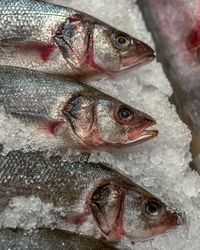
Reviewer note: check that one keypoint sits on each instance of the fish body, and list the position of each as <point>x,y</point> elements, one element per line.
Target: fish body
<point>49,239</point>
<point>175,26</point>
<point>83,193</point>
<point>81,116</point>
<point>60,40</point>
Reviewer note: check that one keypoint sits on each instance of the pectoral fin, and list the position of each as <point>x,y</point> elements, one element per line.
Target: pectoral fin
<point>45,124</point>
<point>35,50</point>
<point>76,218</point>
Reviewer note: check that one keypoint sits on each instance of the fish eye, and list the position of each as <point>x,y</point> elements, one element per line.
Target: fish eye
<point>124,114</point>
<point>152,208</point>
<point>121,41</point>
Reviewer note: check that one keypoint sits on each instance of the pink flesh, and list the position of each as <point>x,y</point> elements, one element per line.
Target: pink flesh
<point>44,50</point>
<point>177,40</point>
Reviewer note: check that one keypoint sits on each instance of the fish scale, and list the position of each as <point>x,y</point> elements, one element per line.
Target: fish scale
<point>49,239</point>
<point>78,115</point>
<point>81,192</point>
<point>18,16</point>
<point>64,41</point>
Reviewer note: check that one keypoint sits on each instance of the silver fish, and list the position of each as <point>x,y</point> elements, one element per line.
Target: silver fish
<point>83,117</point>
<point>65,41</point>
<point>41,239</point>
<point>85,192</point>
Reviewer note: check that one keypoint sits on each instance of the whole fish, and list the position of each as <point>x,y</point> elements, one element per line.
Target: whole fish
<point>65,41</point>
<point>175,26</point>
<point>85,118</point>
<point>41,239</point>
<point>84,193</point>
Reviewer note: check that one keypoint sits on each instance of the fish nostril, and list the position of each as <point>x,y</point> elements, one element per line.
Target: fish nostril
<point>150,121</point>
<point>146,50</point>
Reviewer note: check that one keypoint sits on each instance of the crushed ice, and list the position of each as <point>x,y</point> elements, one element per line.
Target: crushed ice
<point>160,165</point>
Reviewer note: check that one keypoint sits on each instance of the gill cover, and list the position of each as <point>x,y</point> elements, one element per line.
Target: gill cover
<point>73,39</point>
<point>106,206</point>
<point>79,111</point>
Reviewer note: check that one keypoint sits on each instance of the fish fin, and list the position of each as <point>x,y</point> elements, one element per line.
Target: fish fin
<point>76,218</point>
<point>48,125</point>
<point>35,50</point>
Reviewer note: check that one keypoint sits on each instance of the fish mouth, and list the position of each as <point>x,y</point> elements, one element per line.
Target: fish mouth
<point>145,55</point>
<point>142,134</point>
<point>128,63</point>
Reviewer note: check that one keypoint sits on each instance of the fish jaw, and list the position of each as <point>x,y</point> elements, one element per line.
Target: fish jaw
<point>142,134</point>
<point>169,223</point>
<point>143,55</point>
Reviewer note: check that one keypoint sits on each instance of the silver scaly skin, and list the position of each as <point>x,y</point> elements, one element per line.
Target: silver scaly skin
<point>48,239</point>
<point>61,40</point>
<point>85,192</point>
<point>79,116</point>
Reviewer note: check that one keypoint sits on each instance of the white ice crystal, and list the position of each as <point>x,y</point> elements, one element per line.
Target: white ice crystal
<point>162,164</point>
<point>27,213</point>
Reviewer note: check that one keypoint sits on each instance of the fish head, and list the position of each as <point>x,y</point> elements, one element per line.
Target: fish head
<point>100,121</point>
<point>115,51</point>
<point>145,216</point>
<point>93,48</point>
<point>134,213</point>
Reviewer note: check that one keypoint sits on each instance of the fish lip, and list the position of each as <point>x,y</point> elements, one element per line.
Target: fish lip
<point>144,134</point>
<point>142,60</point>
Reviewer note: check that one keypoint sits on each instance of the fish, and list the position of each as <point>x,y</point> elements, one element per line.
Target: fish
<point>82,193</point>
<point>80,116</point>
<point>44,238</point>
<point>60,40</point>
<point>175,27</point>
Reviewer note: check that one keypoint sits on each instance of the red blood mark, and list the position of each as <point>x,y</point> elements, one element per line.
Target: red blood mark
<point>120,230</point>
<point>90,55</point>
<point>55,127</point>
<point>44,50</point>
<point>75,17</point>
<point>193,40</point>
<point>90,58</point>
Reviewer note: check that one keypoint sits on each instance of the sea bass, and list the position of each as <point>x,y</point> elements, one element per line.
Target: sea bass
<point>60,40</point>
<point>83,193</point>
<point>48,239</point>
<point>175,25</point>
<point>85,118</point>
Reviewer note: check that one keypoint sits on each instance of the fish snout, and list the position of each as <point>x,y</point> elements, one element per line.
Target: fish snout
<point>138,133</point>
<point>141,53</point>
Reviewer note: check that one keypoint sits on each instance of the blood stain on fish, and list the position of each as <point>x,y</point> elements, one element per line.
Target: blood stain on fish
<point>44,50</point>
